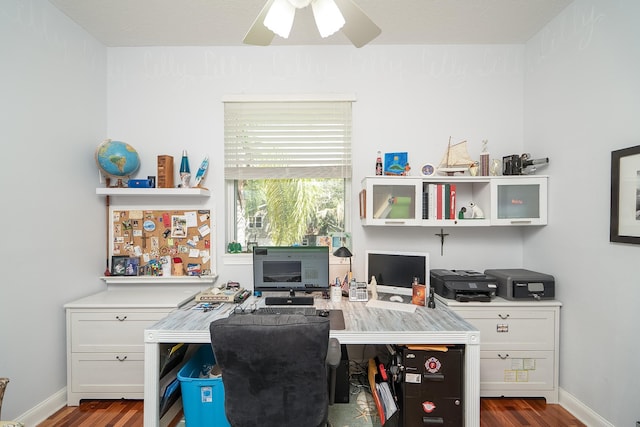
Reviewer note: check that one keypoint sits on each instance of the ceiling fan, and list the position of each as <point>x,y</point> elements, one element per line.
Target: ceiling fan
<point>276,17</point>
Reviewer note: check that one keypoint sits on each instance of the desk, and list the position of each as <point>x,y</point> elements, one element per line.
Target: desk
<point>362,326</point>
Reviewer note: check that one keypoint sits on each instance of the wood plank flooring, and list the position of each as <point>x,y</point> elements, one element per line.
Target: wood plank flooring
<point>503,412</point>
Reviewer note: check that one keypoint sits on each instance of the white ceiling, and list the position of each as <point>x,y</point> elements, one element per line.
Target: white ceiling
<point>225,22</point>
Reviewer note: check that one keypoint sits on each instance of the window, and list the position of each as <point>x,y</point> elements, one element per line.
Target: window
<point>288,170</point>
<point>255,221</point>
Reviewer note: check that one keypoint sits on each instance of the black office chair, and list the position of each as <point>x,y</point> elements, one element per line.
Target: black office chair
<point>274,369</point>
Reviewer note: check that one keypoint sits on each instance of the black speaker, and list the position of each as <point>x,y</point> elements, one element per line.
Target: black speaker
<point>342,378</point>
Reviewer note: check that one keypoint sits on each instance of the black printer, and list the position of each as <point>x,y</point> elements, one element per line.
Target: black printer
<point>518,283</point>
<point>463,285</point>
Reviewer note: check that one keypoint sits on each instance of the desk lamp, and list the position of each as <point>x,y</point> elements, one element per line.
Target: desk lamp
<point>344,252</point>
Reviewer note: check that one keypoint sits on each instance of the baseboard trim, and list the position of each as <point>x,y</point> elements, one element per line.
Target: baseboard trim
<point>581,411</point>
<point>44,409</point>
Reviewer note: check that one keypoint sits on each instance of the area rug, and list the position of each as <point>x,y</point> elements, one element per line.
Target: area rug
<point>359,412</point>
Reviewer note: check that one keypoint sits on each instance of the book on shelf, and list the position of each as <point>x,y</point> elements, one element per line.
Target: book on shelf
<point>432,201</point>
<point>439,200</point>
<point>452,201</point>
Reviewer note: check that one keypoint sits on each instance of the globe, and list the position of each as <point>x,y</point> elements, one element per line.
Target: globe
<point>117,159</point>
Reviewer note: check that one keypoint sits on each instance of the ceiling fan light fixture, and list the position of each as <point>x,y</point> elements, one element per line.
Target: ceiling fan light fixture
<point>279,18</point>
<point>300,4</point>
<point>328,17</point>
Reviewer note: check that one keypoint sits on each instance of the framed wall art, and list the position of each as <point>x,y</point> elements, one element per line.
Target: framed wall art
<point>625,196</point>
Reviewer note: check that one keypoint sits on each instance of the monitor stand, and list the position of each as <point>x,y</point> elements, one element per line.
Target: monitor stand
<point>292,299</point>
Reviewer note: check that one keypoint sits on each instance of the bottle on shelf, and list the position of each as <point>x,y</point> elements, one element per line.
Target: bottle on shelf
<point>379,163</point>
<point>432,300</point>
<point>185,172</point>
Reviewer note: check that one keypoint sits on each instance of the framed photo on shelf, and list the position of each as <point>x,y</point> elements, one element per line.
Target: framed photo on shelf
<point>396,164</point>
<point>625,196</point>
<point>118,265</point>
<point>131,266</point>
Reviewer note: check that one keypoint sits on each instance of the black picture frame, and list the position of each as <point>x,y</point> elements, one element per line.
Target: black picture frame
<point>118,265</point>
<point>625,196</point>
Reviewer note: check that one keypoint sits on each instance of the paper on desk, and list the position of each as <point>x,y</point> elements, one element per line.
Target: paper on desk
<point>388,305</point>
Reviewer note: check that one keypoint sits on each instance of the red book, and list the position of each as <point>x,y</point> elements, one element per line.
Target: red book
<point>439,201</point>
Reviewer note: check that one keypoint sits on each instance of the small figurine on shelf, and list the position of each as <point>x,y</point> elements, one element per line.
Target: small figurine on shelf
<point>473,168</point>
<point>234,248</point>
<point>462,212</point>
<point>476,212</point>
<point>373,287</point>
<point>202,170</point>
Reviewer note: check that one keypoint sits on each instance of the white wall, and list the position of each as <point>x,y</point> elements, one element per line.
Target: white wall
<point>53,115</point>
<point>582,100</point>
<point>409,98</point>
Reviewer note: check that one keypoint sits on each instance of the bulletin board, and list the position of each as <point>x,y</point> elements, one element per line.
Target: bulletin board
<point>160,242</point>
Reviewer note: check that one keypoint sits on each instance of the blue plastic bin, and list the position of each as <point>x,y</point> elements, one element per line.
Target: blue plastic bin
<point>202,398</point>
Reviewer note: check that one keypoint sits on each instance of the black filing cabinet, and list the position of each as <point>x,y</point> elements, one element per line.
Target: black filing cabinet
<point>432,387</point>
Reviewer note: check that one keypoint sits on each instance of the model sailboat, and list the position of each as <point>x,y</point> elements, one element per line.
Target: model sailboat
<point>456,159</point>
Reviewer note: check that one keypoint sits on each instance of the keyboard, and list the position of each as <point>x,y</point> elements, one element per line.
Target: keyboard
<point>293,309</point>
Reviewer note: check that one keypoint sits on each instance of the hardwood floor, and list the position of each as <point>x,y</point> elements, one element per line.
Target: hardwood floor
<point>524,412</point>
<point>493,413</point>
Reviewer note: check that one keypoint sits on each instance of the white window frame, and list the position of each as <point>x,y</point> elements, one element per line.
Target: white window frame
<point>229,183</point>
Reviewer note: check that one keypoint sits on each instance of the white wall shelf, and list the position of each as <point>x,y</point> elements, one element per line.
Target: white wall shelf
<point>159,280</point>
<point>138,192</point>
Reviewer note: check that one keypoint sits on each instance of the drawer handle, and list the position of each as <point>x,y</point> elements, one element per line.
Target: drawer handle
<point>122,319</point>
<point>121,359</point>
<point>503,316</point>
<point>506,356</point>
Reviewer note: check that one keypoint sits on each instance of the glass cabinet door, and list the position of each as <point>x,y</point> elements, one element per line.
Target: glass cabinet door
<point>393,201</point>
<point>519,201</point>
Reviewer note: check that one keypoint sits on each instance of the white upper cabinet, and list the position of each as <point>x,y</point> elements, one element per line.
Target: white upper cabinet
<point>454,201</point>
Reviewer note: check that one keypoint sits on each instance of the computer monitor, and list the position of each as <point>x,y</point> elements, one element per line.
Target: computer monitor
<point>291,268</point>
<point>394,270</point>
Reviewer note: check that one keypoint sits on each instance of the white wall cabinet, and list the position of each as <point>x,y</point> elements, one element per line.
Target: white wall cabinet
<point>519,346</point>
<point>438,201</point>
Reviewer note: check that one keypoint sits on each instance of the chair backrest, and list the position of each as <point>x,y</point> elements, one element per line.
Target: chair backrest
<point>273,369</point>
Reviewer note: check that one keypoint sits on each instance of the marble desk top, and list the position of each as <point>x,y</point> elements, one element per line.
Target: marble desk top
<point>363,325</point>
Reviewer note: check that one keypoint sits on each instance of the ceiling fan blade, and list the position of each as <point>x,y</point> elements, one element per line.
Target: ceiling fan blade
<point>258,34</point>
<point>359,28</point>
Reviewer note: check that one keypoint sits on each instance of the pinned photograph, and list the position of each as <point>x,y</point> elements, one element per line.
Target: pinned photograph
<point>178,226</point>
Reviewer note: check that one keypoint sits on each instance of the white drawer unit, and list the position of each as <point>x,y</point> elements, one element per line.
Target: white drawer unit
<point>105,340</point>
<point>519,346</point>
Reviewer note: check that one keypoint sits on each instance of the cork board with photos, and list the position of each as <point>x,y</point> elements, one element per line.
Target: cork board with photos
<point>161,242</point>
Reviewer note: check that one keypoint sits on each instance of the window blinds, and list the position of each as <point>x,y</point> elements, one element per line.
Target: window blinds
<point>288,139</point>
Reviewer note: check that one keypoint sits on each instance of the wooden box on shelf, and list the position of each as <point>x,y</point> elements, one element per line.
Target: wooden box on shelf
<point>165,172</point>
